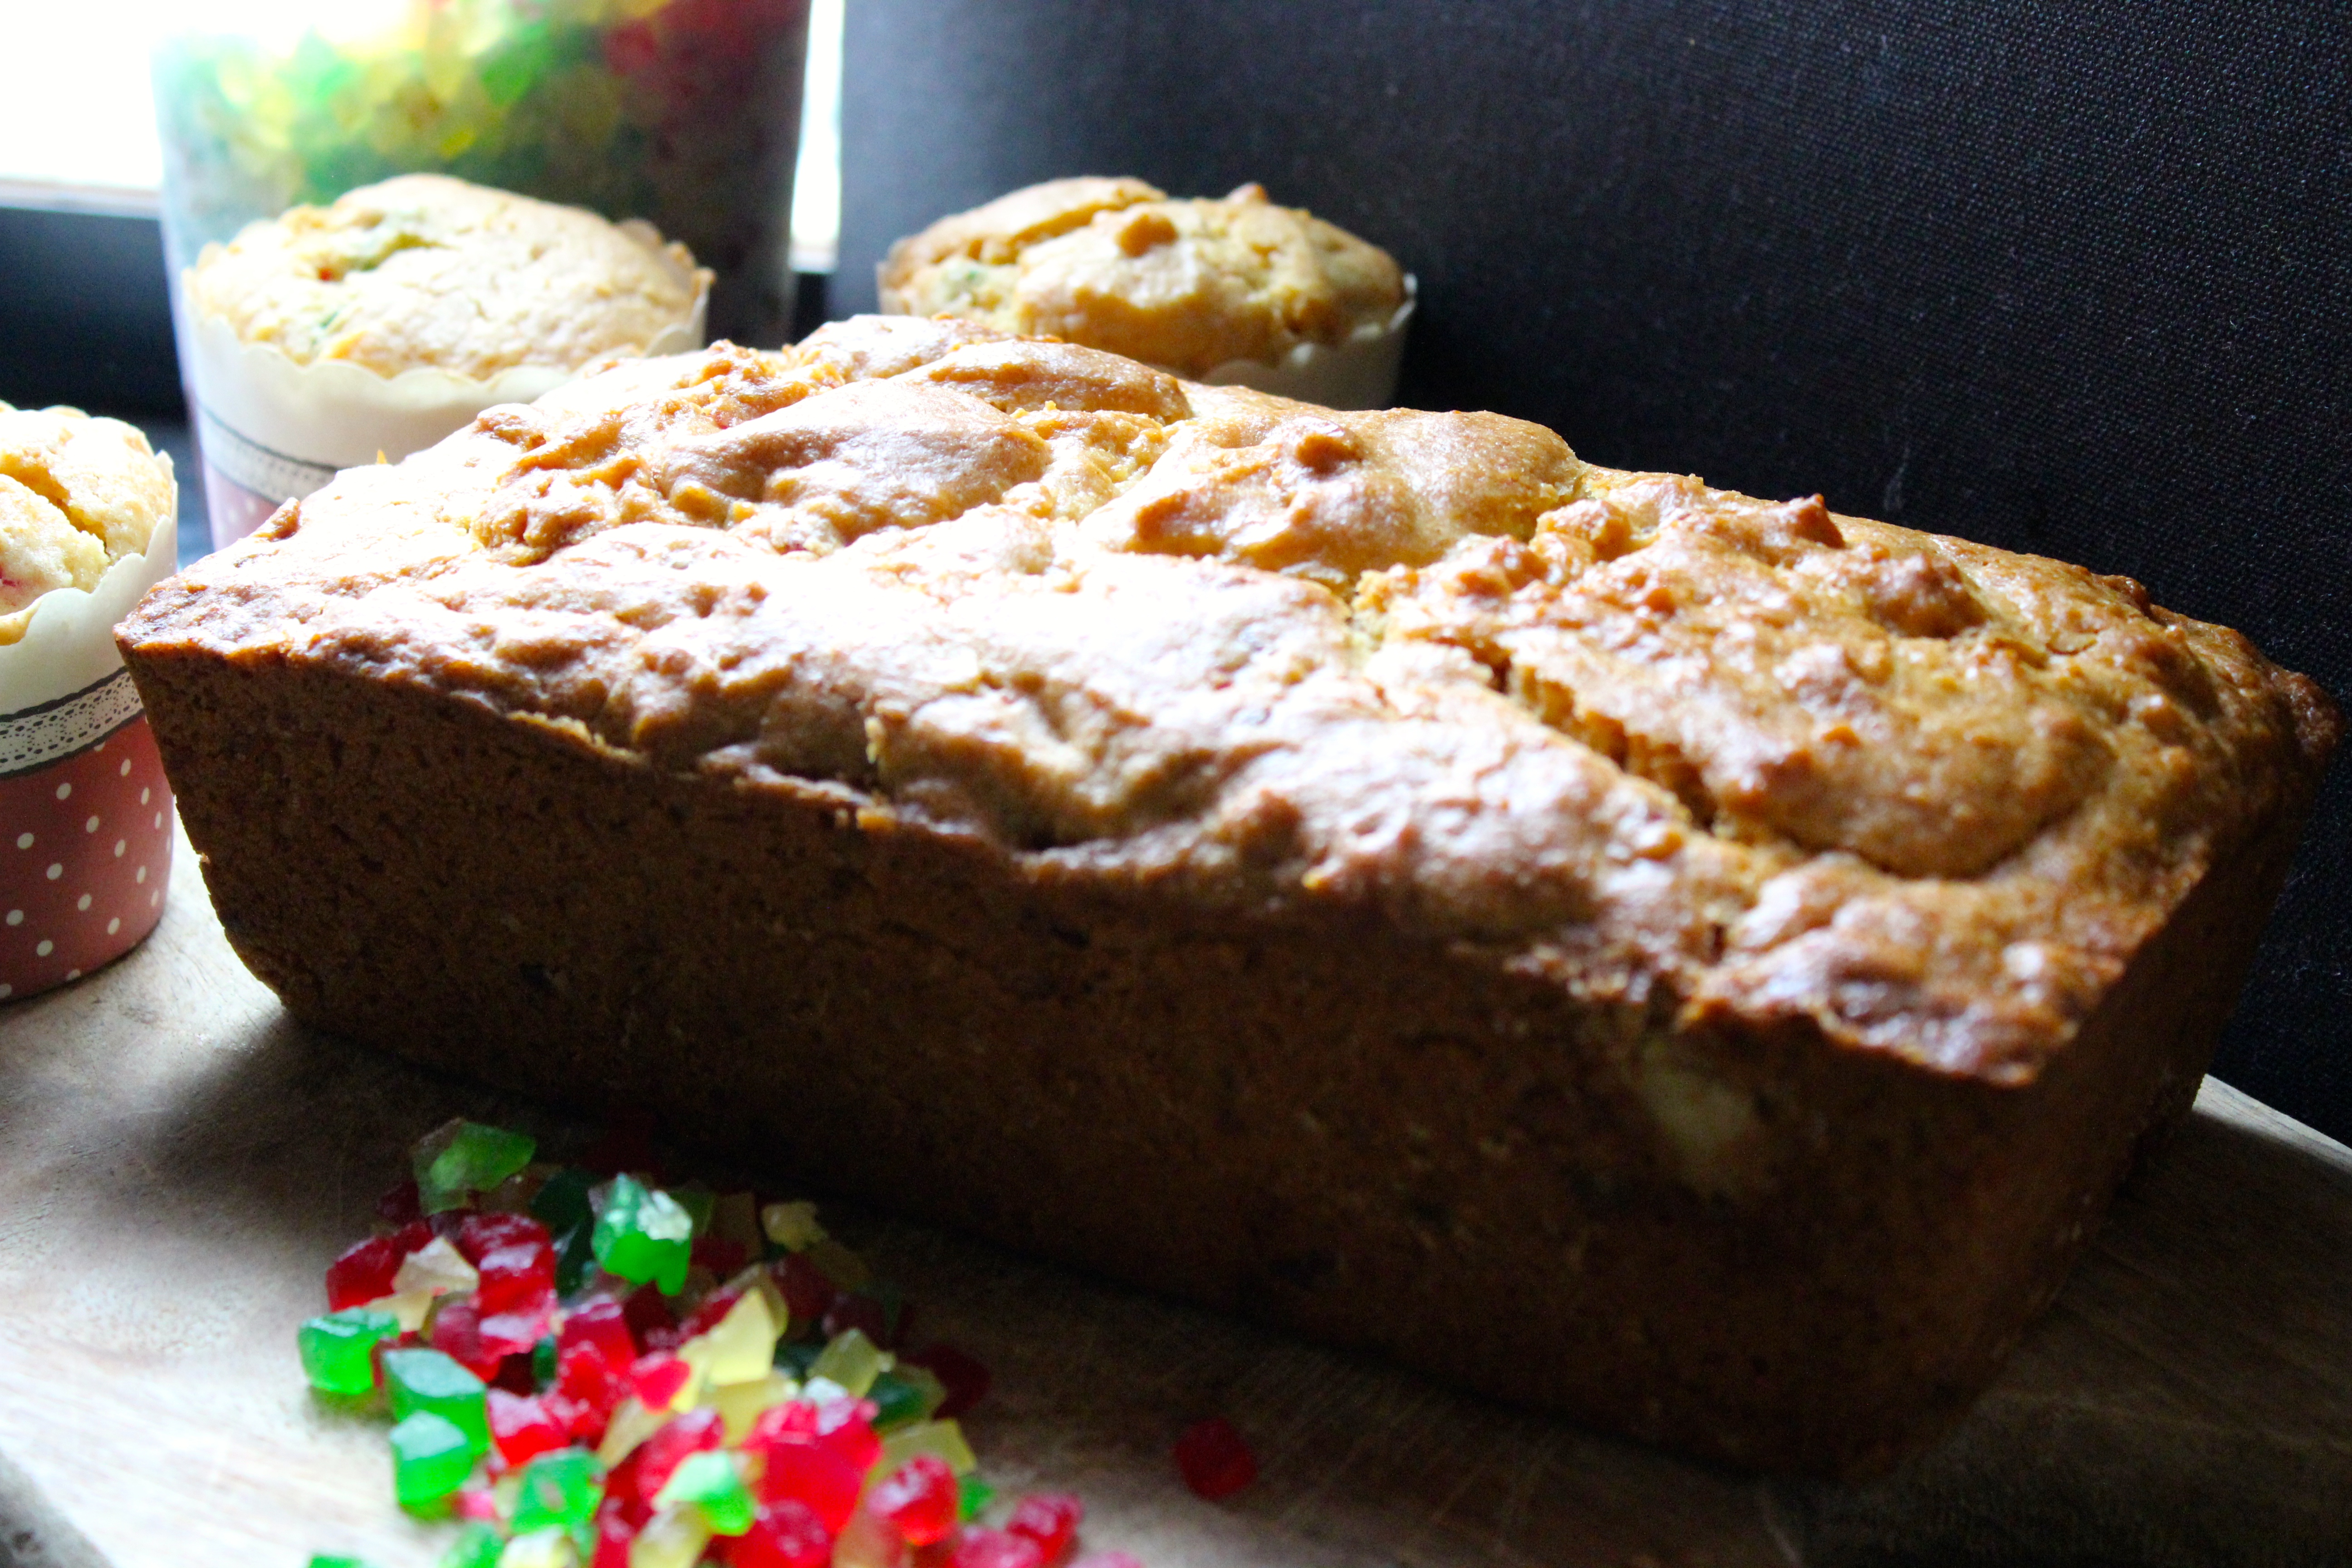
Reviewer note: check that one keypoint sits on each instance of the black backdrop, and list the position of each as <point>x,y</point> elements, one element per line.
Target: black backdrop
<point>2068,278</point>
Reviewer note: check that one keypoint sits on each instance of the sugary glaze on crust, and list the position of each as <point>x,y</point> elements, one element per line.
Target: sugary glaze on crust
<point>77,494</point>
<point>1660,744</point>
<point>427,270</point>
<point>1116,265</point>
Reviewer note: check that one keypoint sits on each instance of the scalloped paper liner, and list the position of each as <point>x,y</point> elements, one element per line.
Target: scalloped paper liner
<point>1358,374</point>
<point>68,643</point>
<point>277,430</point>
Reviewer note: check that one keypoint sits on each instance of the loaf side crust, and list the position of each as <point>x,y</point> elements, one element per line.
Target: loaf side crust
<point>1696,963</point>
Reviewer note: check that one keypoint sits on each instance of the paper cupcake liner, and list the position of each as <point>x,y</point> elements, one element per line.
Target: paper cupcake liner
<point>85,810</point>
<point>1358,374</point>
<point>273,431</point>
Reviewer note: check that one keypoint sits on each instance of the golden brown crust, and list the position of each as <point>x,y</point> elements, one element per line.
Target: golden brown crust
<point>1644,737</point>
<point>1115,264</point>
<point>425,270</point>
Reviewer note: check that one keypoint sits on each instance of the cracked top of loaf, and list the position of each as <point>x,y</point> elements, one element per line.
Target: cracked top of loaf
<point>1116,265</point>
<point>1668,746</point>
<point>424,269</point>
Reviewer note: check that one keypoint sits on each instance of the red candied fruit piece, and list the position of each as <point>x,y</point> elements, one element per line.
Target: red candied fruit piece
<point>621,1488</point>
<point>522,1426</point>
<point>402,1204</point>
<point>479,1235</point>
<point>723,1255</point>
<point>474,1343</point>
<point>587,1377</point>
<point>965,1380</point>
<point>695,1432</point>
<point>797,1467</point>
<point>657,1379</point>
<point>365,1271</point>
<point>994,1549</point>
<point>1049,1518</point>
<point>519,1279</point>
<point>1213,1459</point>
<point>784,1534</point>
<point>863,1313</point>
<point>603,1324</point>
<point>650,1320</point>
<point>808,1294</point>
<point>614,1533</point>
<point>920,1499</point>
<point>844,1425</point>
<point>705,1316</point>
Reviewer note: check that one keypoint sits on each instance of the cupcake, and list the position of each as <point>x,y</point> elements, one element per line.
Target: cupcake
<point>88,523</point>
<point>1234,292</point>
<point>333,336</point>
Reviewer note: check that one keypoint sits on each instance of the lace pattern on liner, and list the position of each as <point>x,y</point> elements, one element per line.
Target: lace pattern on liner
<point>37,737</point>
<point>266,473</point>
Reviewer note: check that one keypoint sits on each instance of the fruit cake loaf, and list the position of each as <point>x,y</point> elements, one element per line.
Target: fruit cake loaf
<point>1694,963</point>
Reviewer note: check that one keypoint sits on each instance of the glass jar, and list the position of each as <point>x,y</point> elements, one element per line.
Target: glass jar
<point>684,112</point>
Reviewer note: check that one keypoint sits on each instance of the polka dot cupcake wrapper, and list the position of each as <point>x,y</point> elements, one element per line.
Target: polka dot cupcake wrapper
<point>85,858</point>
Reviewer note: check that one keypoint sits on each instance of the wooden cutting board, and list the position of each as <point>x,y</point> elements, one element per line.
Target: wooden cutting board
<point>178,1162</point>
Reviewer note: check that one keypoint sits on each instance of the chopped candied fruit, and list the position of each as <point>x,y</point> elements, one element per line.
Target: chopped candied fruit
<point>523,1427</point>
<point>1049,1518</point>
<point>921,1499</point>
<point>364,1272</point>
<point>964,1379</point>
<point>994,1549</point>
<point>1215,1461</point>
<point>784,1535</point>
<point>339,1349</point>
<point>696,1431</point>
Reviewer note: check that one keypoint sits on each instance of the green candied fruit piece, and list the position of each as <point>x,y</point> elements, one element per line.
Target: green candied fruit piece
<point>905,1394</point>
<point>560,1490</point>
<point>972,1497</point>
<point>562,1206</point>
<point>644,1235</point>
<point>339,1349</point>
<point>477,1546</point>
<point>711,1481</point>
<point>321,1560</point>
<point>430,1459</point>
<point>423,1382</point>
<point>461,1158</point>
<point>851,1359</point>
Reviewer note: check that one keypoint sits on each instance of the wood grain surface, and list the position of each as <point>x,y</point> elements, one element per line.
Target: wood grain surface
<point>178,1162</point>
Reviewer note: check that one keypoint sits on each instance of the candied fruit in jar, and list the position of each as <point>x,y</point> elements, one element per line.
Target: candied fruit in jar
<point>921,1499</point>
<point>1049,1518</point>
<point>1212,1459</point>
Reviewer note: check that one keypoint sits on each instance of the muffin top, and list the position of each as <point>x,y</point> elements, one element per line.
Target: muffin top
<point>1115,264</point>
<point>427,270</point>
<point>77,494</point>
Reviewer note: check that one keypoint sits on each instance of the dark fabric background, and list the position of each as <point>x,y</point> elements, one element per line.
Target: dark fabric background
<point>2066,278</point>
